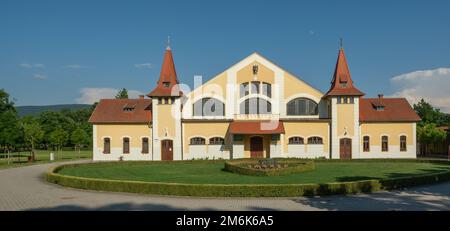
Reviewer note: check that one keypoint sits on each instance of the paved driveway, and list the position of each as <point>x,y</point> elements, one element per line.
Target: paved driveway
<point>25,189</point>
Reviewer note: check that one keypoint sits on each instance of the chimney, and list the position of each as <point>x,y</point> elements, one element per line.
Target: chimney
<point>141,96</point>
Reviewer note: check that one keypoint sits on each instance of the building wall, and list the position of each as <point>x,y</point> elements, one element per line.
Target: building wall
<point>393,130</point>
<point>116,133</point>
<point>205,130</point>
<point>306,130</point>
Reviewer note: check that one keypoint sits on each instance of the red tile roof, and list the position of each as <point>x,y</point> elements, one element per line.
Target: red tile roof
<point>256,127</point>
<point>168,76</point>
<point>342,83</point>
<point>395,110</point>
<point>122,111</point>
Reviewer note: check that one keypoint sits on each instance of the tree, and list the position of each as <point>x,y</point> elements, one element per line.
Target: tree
<point>122,94</point>
<point>79,137</point>
<point>33,134</point>
<point>5,103</point>
<point>429,134</point>
<point>430,115</point>
<point>59,138</point>
<point>10,132</point>
<point>52,120</point>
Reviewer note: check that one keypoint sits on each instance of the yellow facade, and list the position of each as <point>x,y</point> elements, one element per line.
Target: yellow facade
<point>116,132</point>
<point>305,130</point>
<point>392,130</point>
<point>205,130</point>
<point>346,119</point>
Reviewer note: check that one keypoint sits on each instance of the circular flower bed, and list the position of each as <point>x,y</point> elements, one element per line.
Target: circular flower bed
<point>269,167</point>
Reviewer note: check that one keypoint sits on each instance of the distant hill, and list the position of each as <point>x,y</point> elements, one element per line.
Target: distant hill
<point>36,110</point>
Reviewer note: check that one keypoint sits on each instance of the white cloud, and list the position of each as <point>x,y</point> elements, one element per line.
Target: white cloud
<point>144,65</point>
<point>40,77</point>
<point>30,65</point>
<point>431,85</point>
<point>92,95</point>
<point>74,66</point>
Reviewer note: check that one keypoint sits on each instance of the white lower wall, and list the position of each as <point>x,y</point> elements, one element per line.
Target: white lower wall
<point>393,152</point>
<point>116,153</point>
<point>197,152</point>
<point>238,151</point>
<point>296,150</point>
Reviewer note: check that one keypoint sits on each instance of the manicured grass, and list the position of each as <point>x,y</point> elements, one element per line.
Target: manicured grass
<point>42,156</point>
<point>202,172</point>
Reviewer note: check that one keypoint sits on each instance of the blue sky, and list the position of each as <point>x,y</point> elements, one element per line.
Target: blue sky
<point>54,52</point>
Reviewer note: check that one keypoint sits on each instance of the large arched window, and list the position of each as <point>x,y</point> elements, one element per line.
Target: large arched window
<point>209,107</point>
<point>302,106</point>
<point>255,106</point>
<point>197,141</point>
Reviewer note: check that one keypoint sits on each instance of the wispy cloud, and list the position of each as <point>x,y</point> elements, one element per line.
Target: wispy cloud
<point>92,95</point>
<point>144,65</point>
<point>31,65</point>
<point>40,77</point>
<point>431,85</point>
<point>74,66</point>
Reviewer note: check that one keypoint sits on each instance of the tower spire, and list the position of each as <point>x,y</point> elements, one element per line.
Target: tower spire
<point>341,43</point>
<point>167,84</point>
<point>168,43</point>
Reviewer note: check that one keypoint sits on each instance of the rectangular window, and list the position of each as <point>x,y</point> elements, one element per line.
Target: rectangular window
<point>345,100</point>
<point>126,145</point>
<point>267,89</point>
<point>255,88</point>
<point>366,144</point>
<point>238,138</point>
<point>145,146</point>
<point>338,100</point>
<point>352,100</point>
<point>402,143</point>
<point>106,146</point>
<point>244,89</point>
<point>384,144</point>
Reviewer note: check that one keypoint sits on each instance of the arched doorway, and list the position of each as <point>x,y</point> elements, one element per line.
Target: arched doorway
<point>166,150</point>
<point>256,147</point>
<point>346,148</point>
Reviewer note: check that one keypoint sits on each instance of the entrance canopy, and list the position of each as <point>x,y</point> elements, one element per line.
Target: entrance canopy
<point>256,127</point>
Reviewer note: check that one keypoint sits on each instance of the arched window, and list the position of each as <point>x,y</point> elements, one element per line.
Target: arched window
<point>296,140</point>
<point>302,106</point>
<point>197,141</point>
<point>315,140</point>
<point>126,145</point>
<point>254,106</point>
<point>145,145</point>
<point>209,107</point>
<point>366,144</point>
<point>384,144</point>
<point>402,143</point>
<point>216,141</point>
<point>106,146</point>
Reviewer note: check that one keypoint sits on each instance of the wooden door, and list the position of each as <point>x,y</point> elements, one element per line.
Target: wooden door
<point>166,150</point>
<point>256,147</point>
<point>346,148</point>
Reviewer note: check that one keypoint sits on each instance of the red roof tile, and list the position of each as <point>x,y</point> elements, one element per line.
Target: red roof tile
<point>167,84</point>
<point>395,110</point>
<point>115,111</point>
<point>342,83</point>
<point>256,127</point>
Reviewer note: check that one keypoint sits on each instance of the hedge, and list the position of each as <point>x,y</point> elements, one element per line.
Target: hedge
<point>296,166</point>
<point>239,190</point>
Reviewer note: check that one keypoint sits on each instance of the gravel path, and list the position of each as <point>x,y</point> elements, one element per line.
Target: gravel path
<point>25,189</point>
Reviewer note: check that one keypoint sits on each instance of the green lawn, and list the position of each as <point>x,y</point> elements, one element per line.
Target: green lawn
<point>212,173</point>
<point>42,156</point>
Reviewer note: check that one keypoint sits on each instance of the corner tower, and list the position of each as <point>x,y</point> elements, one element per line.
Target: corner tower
<point>166,112</point>
<point>344,97</point>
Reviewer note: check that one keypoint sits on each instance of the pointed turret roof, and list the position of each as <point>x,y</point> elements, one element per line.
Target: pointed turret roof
<point>342,83</point>
<point>167,84</point>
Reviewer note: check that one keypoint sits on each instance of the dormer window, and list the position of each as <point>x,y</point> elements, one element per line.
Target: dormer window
<point>344,85</point>
<point>166,84</point>
<point>128,108</point>
<point>379,108</point>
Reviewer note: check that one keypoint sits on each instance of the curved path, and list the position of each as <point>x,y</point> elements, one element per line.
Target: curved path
<point>25,189</point>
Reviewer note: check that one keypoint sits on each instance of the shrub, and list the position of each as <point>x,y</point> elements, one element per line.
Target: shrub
<point>243,166</point>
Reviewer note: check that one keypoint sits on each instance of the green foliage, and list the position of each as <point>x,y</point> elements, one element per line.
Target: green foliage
<point>430,115</point>
<point>33,132</point>
<point>59,137</point>
<point>5,103</point>
<point>294,166</point>
<point>122,94</point>
<point>79,137</point>
<point>246,190</point>
<point>10,130</point>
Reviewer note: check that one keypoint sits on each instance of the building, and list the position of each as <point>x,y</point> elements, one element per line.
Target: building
<point>253,109</point>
